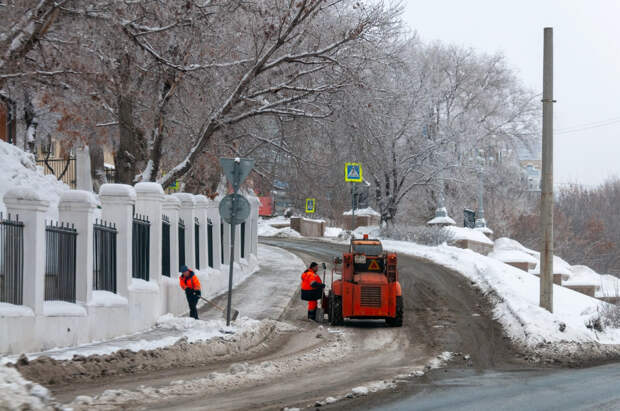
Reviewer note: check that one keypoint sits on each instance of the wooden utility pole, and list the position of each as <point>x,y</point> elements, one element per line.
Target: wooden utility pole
<point>546,206</point>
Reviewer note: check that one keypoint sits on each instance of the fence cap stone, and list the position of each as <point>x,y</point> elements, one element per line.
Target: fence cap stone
<point>201,200</point>
<point>24,194</point>
<point>151,188</point>
<point>171,201</point>
<point>186,199</point>
<point>78,196</point>
<point>117,190</point>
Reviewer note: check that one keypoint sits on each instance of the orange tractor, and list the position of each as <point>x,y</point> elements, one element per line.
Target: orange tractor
<point>368,287</point>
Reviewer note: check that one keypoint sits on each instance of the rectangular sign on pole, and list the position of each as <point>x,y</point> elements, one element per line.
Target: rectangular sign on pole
<point>353,172</point>
<point>310,205</point>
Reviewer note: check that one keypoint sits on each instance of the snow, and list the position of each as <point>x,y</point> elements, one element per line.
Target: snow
<point>17,393</point>
<point>80,196</point>
<point>363,212</point>
<point>146,187</point>
<point>62,309</point>
<point>103,298</point>
<point>464,233</point>
<point>12,310</point>
<point>266,229</point>
<point>18,169</point>
<point>139,285</point>
<point>512,256</point>
<point>332,232</point>
<point>117,190</point>
<point>440,360</point>
<point>360,390</point>
<point>515,295</point>
<point>373,231</point>
<point>442,220</point>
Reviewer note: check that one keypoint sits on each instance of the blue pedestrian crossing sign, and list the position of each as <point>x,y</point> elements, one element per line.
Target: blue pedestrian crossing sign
<point>310,205</point>
<point>353,172</point>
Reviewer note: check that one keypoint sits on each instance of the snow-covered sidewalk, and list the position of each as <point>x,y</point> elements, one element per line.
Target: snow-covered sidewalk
<point>262,295</point>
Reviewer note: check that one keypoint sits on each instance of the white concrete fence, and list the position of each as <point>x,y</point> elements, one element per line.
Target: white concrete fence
<point>137,304</point>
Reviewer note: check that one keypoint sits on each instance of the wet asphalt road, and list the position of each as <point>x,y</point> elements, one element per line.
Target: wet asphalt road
<point>595,388</point>
<point>494,382</point>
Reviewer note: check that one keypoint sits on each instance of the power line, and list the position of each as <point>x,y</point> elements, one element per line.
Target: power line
<point>588,126</point>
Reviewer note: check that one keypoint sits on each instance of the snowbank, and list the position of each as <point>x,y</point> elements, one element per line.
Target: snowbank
<point>62,309</point>
<point>332,232</point>
<point>18,169</point>
<point>363,212</point>
<point>464,233</point>
<point>17,393</point>
<point>265,229</point>
<point>515,295</point>
<point>103,298</point>
<point>373,231</point>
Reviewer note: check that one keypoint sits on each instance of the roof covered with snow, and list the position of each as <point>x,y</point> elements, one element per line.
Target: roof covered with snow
<point>442,220</point>
<point>363,212</point>
<point>464,233</point>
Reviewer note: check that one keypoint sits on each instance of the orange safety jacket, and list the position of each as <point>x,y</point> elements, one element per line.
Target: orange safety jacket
<point>190,282</point>
<point>308,293</point>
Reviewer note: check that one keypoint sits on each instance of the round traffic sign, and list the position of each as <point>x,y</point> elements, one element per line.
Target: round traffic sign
<point>241,211</point>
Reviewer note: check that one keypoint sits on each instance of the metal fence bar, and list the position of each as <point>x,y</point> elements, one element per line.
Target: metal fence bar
<point>11,260</point>
<point>104,256</point>
<point>197,242</point>
<point>181,242</point>
<point>141,230</point>
<point>210,242</point>
<point>60,244</point>
<point>165,246</point>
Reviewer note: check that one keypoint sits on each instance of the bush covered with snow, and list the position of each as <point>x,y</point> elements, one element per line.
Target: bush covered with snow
<point>19,169</point>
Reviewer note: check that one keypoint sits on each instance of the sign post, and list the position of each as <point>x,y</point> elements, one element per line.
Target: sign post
<point>234,209</point>
<point>353,174</point>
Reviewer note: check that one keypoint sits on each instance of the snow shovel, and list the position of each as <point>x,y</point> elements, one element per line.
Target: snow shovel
<point>234,313</point>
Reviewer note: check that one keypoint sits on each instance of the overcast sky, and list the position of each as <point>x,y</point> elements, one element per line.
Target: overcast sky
<point>587,66</point>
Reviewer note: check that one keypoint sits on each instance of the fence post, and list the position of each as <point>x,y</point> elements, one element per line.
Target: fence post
<point>31,209</point>
<point>171,208</point>
<point>149,202</point>
<point>77,207</point>
<point>117,201</point>
<point>187,214</point>
<point>202,206</point>
<point>213,213</point>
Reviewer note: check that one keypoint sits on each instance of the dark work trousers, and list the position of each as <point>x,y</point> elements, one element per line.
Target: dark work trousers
<point>192,300</point>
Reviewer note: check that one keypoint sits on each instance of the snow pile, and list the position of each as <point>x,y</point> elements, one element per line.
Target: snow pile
<point>363,212</point>
<point>373,231</point>
<point>103,298</point>
<point>62,309</point>
<point>12,310</point>
<point>17,393</point>
<point>441,220</point>
<point>464,233</point>
<point>332,232</point>
<point>510,251</point>
<point>515,295</point>
<point>18,169</point>
<point>267,230</point>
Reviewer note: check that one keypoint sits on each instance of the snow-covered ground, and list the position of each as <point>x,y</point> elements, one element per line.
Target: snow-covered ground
<point>276,227</point>
<point>19,169</point>
<point>515,294</point>
<point>17,393</point>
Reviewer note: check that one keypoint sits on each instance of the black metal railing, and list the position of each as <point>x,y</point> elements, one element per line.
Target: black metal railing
<point>181,243</point>
<point>210,242</point>
<point>141,230</point>
<point>222,241</point>
<point>243,240</point>
<point>165,245</point>
<point>62,169</point>
<point>60,244</point>
<point>197,242</point>
<point>11,260</point>
<point>104,256</point>
<point>110,175</point>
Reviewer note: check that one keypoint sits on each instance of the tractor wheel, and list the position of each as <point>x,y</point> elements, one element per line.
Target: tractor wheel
<point>398,320</point>
<point>335,309</point>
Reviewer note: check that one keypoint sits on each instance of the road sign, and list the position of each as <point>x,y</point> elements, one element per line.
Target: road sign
<point>236,170</point>
<point>241,213</point>
<point>374,266</point>
<point>353,172</point>
<point>310,205</point>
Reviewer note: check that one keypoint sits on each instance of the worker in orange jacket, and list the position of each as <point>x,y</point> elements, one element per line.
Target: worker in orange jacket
<point>190,283</point>
<point>311,289</point>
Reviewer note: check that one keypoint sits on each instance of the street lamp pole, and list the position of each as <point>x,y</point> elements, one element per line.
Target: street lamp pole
<point>480,221</point>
